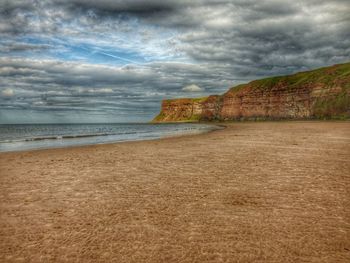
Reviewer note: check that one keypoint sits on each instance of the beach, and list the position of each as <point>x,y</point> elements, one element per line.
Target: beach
<point>252,192</point>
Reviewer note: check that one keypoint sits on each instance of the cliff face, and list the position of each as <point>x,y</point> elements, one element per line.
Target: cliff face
<point>321,93</point>
<point>181,110</point>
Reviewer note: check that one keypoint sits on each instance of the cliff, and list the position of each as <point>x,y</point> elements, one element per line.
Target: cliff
<point>320,93</point>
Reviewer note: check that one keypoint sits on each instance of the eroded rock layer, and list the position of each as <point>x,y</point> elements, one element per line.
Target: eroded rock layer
<point>321,93</point>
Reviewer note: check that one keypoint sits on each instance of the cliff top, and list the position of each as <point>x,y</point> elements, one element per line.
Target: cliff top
<point>325,75</point>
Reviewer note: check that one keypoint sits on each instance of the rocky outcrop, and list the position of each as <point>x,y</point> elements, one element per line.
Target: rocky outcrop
<point>181,110</point>
<point>321,93</point>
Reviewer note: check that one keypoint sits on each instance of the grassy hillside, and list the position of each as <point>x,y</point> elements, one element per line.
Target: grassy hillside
<point>327,75</point>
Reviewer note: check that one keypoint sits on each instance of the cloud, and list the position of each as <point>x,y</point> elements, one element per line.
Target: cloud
<point>121,58</point>
<point>192,88</point>
<point>56,87</point>
<point>7,92</point>
<point>136,7</point>
<point>18,47</point>
<point>103,90</point>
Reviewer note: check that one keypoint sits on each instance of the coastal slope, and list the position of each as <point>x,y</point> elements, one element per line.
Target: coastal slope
<point>320,93</point>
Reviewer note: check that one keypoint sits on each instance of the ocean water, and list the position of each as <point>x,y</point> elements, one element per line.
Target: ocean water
<point>19,137</point>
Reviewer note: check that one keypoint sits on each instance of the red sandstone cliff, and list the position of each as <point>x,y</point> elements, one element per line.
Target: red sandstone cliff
<point>321,93</point>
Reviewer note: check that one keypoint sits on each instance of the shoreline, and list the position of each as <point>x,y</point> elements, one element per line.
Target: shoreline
<point>252,192</point>
<point>218,127</point>
<point>221,124</point>
<point>110,144</point>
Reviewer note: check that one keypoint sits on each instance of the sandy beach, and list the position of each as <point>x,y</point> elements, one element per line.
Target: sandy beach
<point>253,192</point>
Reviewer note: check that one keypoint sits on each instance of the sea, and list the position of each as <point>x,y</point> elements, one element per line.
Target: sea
<point>20,137</point>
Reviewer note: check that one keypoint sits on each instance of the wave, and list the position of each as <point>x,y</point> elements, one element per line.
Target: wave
<point>61,137</point>
<point>135,133</point>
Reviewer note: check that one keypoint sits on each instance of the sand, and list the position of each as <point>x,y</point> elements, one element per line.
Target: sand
<point>253,192</point>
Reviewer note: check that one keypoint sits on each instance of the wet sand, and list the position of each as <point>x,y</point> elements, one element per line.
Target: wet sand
<point>253,192</point>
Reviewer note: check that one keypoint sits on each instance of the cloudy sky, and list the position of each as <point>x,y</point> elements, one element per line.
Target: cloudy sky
<point>115,60</point>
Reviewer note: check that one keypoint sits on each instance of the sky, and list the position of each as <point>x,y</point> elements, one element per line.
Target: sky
<point>115,60</point>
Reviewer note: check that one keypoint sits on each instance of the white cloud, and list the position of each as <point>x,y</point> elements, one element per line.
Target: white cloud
<point>103,90</point>
<point>192,88</point>
<point>7,93</point>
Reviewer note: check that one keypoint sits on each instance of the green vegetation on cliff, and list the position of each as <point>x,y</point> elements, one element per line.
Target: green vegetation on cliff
<point>326,75</point>
<point>336,107</point>
<point>160,117</point>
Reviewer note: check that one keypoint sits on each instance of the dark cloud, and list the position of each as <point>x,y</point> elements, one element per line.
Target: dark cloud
<point>8,7</point>
<point>19,47</point>
<point>137,7</point>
